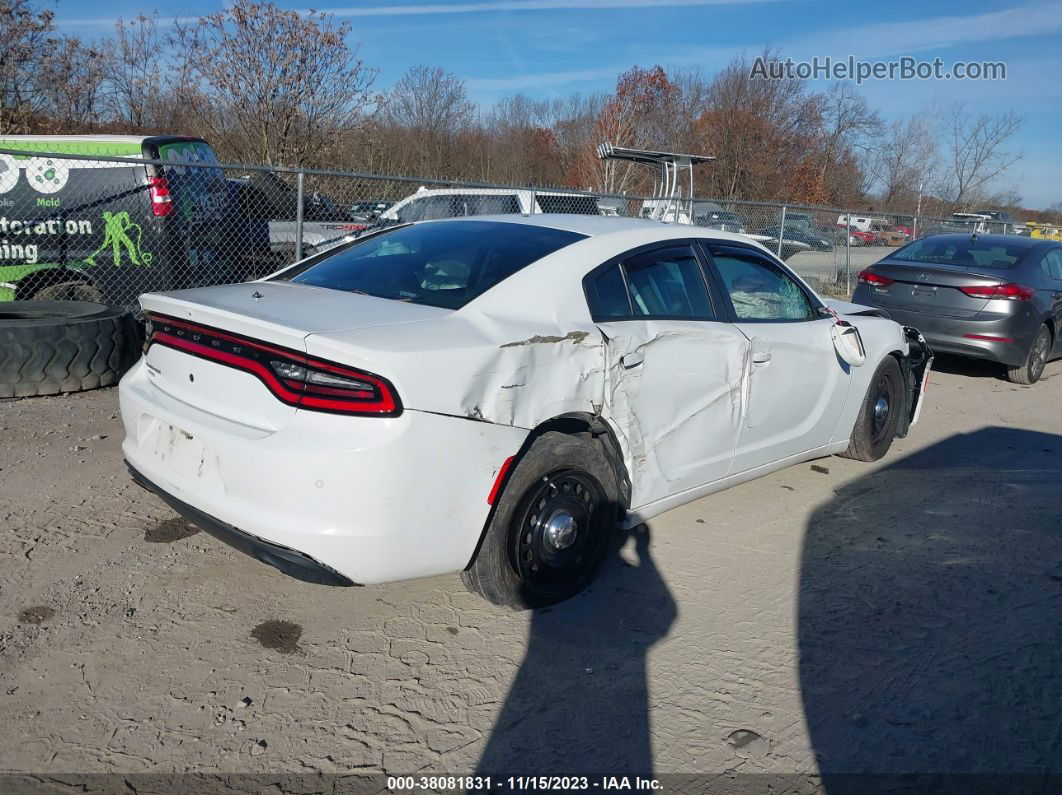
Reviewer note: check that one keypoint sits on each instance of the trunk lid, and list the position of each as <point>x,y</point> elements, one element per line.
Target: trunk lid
<point>283,315</point>
<point>931,288</point>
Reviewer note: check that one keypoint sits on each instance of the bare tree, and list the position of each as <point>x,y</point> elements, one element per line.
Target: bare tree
<point>71,81</point>
<point>24,42</point>
<point>761,131</point>
<point>977,153</point>
<point>905,161</point>
<point>427,108</point>
<point>848,123</point>
<point>134,71</point>
<point>639,115</point>
<point>272,85</point>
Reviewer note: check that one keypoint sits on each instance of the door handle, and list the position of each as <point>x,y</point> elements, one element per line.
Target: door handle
<point>761,356</point>
<point>632,359</point>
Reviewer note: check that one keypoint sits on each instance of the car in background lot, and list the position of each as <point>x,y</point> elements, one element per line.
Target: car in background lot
<point>800,234</point>
<point>995,297</point>
<point>865,237</point>
<point>887,235</point>
<point>722,220</point>
<point>368,210</point>
<point>494,395</point>
<point>429,204</point>
<point>806,220</point>
<point>107,230</point>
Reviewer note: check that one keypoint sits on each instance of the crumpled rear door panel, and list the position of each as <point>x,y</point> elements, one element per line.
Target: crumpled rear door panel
<point>675,391</point>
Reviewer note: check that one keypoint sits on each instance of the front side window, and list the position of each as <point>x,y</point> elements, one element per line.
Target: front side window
<point>444,264</point>
<point>759,289</point>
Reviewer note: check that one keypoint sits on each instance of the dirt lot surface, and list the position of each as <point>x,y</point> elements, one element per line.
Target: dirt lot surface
<point>832,618</point>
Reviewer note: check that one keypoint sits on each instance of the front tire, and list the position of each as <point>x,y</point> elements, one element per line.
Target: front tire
<point>879,415</point>
<point>551,527</point>
<point>1029,371</point>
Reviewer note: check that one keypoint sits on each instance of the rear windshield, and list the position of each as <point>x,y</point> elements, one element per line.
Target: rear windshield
<point>444,264</point>
<point>964,251</point>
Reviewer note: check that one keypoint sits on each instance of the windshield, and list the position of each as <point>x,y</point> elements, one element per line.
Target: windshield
<point>437,264</point>
<point>963,252</point>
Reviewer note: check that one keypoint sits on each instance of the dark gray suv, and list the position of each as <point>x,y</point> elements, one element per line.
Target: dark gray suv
<point>996,297</point>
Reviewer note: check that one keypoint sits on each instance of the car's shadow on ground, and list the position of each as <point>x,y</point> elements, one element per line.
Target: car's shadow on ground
<point>971,368</point>
<point>579,703</point>
<point>930,619</point>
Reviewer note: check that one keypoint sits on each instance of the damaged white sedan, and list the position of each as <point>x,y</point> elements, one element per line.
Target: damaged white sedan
<point>494,395</point>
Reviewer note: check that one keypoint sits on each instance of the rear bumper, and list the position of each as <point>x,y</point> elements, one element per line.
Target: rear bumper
<point>368,499</point>
<point>290,561</point>
<point>948,335</point>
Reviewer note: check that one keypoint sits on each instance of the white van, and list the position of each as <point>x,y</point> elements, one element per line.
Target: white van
<point>431,203</point>
<point>861,222</point>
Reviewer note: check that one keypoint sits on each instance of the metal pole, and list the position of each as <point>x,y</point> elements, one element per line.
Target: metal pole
<point>918,212</point>
<point>534,199</point>
<point>298,217</point>
<point>781,233</point>
<point>848,251</point>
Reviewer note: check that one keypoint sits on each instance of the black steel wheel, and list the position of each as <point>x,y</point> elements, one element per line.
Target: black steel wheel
<point>551,526</point>
<point>555,536</point>
<point>875,426</point>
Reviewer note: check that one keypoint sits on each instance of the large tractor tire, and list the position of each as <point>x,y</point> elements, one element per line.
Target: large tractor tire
<point>51,347</point>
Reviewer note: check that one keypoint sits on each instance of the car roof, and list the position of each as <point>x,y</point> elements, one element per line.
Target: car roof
<point>599,225</point>
<point>124,139</point>
<point>1021,240</point>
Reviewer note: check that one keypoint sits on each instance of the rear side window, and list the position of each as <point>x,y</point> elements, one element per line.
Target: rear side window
<point>444,264</point>
<point>666,283</point>
<point>611,299</point>
<point>1051,264</point>
<point>964,252</point>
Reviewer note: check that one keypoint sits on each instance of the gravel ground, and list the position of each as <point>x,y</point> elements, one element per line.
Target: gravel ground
<point>841,617</point>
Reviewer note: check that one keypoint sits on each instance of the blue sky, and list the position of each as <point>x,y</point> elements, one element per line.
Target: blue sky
<point>555,47</point>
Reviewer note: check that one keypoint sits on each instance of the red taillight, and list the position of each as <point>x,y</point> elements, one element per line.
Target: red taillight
<point>874,279</point>
<point>1008,292</point>
<point>292,377</point>
<point>161,200</point>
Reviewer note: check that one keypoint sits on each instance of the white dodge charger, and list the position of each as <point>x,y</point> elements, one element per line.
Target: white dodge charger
<point>495,395</point>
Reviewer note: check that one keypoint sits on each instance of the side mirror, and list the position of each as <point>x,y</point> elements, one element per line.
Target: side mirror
<point>848,344</point>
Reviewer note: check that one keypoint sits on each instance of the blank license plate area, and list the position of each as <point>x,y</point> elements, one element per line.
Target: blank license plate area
<point>181,453</point>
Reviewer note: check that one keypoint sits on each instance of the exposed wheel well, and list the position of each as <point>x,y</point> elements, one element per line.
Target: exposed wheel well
<point>571,424</point>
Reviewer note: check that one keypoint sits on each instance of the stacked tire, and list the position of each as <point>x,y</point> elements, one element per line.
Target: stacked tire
<point>52,347</point>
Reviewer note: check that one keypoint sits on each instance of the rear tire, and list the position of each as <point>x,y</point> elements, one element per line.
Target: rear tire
<point>50,347</point>
<point>1029,371</point>
<point>551,527</point>
<point>875,426</point>
<point>69,291</point>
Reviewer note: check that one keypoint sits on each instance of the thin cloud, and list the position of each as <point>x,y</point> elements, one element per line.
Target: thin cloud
<point>878,40</point>
<point>541,80</point>
<point>523,5</point>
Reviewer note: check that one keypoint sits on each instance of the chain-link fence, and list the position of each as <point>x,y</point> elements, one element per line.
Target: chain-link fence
<point>106,220</point>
